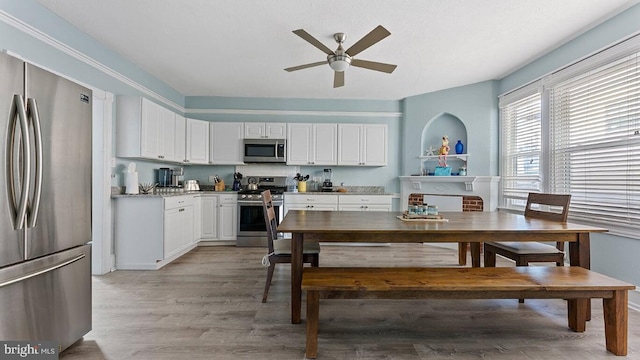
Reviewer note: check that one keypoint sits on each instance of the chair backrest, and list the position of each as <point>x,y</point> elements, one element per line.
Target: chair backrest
<point>548,202</point>
<point>269,218</point>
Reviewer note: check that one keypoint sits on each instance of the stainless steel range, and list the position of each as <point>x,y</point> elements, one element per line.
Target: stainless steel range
<point>251,227</point>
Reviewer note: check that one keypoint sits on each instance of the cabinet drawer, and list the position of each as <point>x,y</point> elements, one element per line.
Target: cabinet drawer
<point>173,202</point>
<point>228,198</point>
<point>311,199</point>
<point>365,199</point>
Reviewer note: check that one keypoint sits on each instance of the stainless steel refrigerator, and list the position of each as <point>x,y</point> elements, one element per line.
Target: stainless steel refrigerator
<point>45,205</point>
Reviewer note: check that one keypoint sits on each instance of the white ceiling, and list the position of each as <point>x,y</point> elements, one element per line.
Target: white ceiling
<point>240,47</point>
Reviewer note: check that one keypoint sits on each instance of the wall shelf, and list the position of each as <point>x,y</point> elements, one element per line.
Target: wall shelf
<point>462,157</point>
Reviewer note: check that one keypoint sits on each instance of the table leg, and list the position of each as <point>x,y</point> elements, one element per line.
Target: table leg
<point>296,277</point>
<point>475,254</point>
<point>580,255</point>
<point>462,253</point>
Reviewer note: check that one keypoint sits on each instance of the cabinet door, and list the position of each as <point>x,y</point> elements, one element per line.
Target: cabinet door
<point>225,143</point>
<point>325,144</point>
<point>197,218</point>
<point>227,221</point>
<point>374,146</point>
<point>167,146</point>
<point>351,208</point>
<point>349,144</point>
<point>186,226</point>
<point>275,130</point>
<point>151,131</point>
<point>180,138</point>
<point>172,227</point>
<point>375,207</point>
<point>299,144</point>
<point>197,141</point>
<point>254,130</point>
<point>209,217</point>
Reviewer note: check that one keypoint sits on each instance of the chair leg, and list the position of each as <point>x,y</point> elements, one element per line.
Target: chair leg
<point>315,260</point>
<point>270,270</point>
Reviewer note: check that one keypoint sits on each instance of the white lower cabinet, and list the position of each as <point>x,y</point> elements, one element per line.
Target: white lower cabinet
<point>219,218</point>
<point>151,232</point>
<point>364,202</point>
<point>301,201</point>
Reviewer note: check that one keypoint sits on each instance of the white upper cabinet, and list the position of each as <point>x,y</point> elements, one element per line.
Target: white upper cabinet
<point>181,138</point>
<point>362,144</point>
<point>312,144</point>
<point>197,141</point>
<point>169,136</point>
<point>226,143</point>
<point>147,130</point>
<point>265,130</point>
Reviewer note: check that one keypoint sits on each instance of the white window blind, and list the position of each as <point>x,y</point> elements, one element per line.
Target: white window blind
<point>594,145</point>
<point>521,149</point>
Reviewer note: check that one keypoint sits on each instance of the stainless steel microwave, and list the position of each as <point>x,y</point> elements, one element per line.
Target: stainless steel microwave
<point>265,151</point>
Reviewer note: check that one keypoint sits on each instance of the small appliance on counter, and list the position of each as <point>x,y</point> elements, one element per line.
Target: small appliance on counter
<point>191,185</point>
<point>327,184</point>
<point>177,176</point>
<point>164,177</point>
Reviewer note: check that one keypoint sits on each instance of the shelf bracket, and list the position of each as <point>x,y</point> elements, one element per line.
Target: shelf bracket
<point>469,185</point>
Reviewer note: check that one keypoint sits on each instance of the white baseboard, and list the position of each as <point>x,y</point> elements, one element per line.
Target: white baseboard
<point>634,300</point>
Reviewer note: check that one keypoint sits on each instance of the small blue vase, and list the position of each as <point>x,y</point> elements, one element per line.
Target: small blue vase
<point>459,147</point>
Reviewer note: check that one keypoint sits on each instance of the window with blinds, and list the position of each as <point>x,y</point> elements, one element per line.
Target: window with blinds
<point>521,149</point>
<point>594,144</point>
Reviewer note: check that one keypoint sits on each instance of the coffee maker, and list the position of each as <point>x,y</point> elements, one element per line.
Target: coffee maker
<point>177,176</point>
<point>327,185</point>
<point>164,177</point>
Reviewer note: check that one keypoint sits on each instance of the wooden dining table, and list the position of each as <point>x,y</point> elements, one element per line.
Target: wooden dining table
<point>386,227</point>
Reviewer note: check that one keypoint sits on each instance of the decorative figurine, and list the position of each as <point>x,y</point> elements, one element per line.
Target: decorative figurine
<point>430,152</point>
<point>444,151</point>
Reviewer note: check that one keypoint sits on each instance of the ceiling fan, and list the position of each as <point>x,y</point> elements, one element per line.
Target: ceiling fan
<point>340,59</point>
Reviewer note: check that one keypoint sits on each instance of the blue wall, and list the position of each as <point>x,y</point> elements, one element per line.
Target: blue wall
<point>475,105</point>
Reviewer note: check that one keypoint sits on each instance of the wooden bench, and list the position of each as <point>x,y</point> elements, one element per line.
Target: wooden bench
<point>575,284</point>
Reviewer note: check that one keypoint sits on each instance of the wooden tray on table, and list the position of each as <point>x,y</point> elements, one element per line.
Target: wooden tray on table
<point>412,217</point>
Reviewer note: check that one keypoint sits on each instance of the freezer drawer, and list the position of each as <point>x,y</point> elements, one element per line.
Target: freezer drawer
<point>47,298</point>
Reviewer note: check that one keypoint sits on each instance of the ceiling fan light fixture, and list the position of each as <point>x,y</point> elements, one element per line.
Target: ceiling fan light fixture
<point>339,63</point>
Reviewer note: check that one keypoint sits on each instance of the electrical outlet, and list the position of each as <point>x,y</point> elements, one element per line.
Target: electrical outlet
<point>212,178</point>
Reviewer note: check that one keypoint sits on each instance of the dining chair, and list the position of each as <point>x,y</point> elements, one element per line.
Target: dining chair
<point>552,207</point>
<point>280,249</point>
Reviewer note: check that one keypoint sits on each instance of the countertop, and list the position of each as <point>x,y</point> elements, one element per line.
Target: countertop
<point>117,196</point>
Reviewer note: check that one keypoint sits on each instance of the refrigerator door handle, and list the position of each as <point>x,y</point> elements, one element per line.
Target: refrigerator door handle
<point>18,208</point>
<point>34,115</point>
<point>42,271</point>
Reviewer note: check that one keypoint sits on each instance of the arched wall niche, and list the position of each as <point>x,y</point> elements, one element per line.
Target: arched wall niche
<point>440,125</point>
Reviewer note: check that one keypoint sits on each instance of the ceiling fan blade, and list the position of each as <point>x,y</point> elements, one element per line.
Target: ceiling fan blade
<point>300,67</point>
<point>313,41</point>
<point>371,38</point>
<point>338,79</point>
<point>372,65</point>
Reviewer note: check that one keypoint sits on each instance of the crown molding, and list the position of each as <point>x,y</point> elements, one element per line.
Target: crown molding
<point>66,49</point>
<point>78,55</point>
<point>295,112</point>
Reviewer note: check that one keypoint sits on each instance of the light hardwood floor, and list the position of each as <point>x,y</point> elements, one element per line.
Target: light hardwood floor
<point>207,305</point>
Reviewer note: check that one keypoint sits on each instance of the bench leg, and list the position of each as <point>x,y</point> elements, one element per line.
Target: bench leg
<point>616,322</point>
<point>475,254</point>
<point>313,311</point>
<point>577,313</point>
